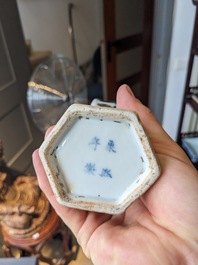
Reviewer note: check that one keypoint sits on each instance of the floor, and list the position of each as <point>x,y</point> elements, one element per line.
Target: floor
<point>81,260</point>
<point>53,249</point>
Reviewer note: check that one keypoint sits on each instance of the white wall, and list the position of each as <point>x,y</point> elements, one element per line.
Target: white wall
<point>183,23</point>
<point>45,22</point>
<point>162,31</point>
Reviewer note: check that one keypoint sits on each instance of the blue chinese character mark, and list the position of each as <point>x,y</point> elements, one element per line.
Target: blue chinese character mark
<point>111,146</point>
<point>106,173</point>
<point>95,142</point>
<point>90,168</point>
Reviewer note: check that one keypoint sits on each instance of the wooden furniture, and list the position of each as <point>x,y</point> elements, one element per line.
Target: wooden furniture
<point>33,246</point>
<point>188,127</point>
<point>36,57</point>
<point>135,40</point>
<point>30,236</point>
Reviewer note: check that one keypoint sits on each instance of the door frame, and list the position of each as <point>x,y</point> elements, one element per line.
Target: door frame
<point>121,45</point>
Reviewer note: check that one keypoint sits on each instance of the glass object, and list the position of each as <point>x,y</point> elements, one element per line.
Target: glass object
<point>54,85</point>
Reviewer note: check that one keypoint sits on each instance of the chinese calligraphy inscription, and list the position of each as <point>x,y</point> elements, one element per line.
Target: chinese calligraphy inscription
<point>91,168</point>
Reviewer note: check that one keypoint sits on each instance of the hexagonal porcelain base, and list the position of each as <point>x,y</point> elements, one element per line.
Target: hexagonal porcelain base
<point>98,159</point>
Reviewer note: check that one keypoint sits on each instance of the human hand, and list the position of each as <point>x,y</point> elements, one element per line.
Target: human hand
<point>161,227</point>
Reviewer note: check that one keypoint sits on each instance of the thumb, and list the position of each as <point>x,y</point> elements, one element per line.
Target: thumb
<point>127,100</point>
<point>159,138</point>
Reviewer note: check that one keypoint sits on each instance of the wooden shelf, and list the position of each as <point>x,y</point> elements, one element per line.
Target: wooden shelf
<point>192,103</point>
<point>37,57</point>
<point>190,96</point>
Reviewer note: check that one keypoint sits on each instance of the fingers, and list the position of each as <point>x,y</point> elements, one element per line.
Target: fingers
<point>42,178</point>
<point>80,222</point>
<point>127,100</point>
<point>160,140</point>
<point>48,131</point>
<point>73,218</point>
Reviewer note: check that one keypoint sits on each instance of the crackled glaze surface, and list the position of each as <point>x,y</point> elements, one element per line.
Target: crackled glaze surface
<point>98,159</point>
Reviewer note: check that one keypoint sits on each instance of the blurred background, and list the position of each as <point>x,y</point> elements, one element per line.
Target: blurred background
<point>145,44</point>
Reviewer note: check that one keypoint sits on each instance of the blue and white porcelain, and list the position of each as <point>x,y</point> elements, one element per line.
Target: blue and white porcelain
<point>100,103</point>
<point>98,159</point>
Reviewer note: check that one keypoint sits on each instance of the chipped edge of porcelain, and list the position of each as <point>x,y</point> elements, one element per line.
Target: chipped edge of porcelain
<point>76,110</point>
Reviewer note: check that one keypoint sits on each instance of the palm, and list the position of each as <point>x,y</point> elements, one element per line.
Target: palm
<point>158,228</point>
<point>152,224</point>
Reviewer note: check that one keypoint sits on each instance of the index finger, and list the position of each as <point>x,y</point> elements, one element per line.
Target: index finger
<point>73,218</point>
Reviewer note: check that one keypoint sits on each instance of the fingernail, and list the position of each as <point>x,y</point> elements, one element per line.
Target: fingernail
<point>129,90</point>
